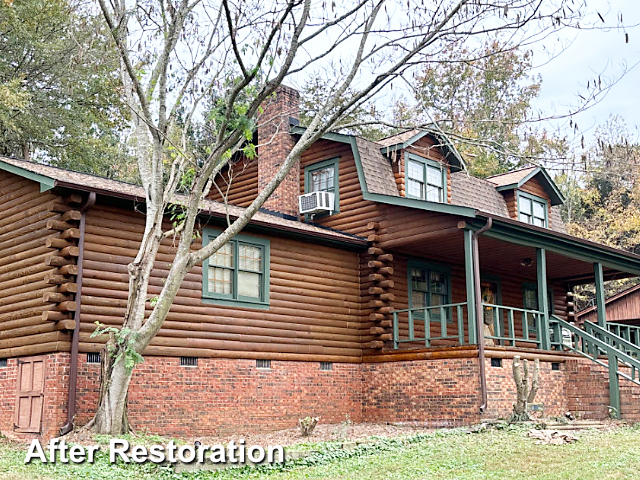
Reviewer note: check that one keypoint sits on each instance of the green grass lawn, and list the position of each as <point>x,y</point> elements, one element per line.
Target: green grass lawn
<point>498,454</point>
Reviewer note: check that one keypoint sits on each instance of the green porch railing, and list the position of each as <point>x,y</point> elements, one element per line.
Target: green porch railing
<point>504,324</point>
<point>600,350</point>
<point>630,333</point>
<point>441,318</point>
<point>611,338</point>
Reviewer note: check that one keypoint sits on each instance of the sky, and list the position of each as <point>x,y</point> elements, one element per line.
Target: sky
<point>587,55</point>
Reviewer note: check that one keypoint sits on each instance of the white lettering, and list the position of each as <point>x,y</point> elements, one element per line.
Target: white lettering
<point>120,447</point>
<point>172,452</point>
<point>77,454</point>
<point>217,454</point>
<point>139,453</point>
<point>253,458</point>
<point>270,455</point>
<point>156,454</point>
<point>181,454</point>
<point>35,451</point>
<point>91,452</point>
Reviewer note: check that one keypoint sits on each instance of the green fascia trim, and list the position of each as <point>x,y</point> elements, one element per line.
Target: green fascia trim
<point>556,196</point>
<point>226,300</point>
<point>522,235</point>
<point>534,198</point>
<point>46,183</point>
<point>332,162</point>
<point>433,163</point>
<point>422,205</point>
<point>429,266</point>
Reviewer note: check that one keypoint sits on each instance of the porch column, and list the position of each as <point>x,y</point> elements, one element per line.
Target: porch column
<point>543,299</point>
<point>600,305</point>
<point>468,275</point>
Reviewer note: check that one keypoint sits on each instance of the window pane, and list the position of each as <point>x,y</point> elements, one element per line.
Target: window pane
<point>525,206</point>
<point>525,218</point>
<point>224,256</point>
<point>249,257</point>
<point>220,280</point>
<point>539,222</point>
<point>434,194</point>
<point>438,283</point>
<point>434,176</point>
<point>322,179</point>
<point>531,299</point>
<point>414,188</point>
<point>538,210</point>
<point>249,284</point>
<point>415,171</point>
<point>418,299</point>
<point>437,300</point>
<point>419,279</point>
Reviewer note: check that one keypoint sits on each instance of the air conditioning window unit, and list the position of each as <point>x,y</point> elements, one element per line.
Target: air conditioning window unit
<point>316,202</point>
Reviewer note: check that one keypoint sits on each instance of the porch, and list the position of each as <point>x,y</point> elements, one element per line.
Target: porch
<point>506,285</point>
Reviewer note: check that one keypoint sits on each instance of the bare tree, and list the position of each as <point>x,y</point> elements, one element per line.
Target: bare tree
<point>176,53</point>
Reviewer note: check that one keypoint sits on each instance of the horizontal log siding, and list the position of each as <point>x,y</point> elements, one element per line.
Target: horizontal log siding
<point>239,183</point>
<point>355,213</point>
<point>24,213</point>
<point>314,308</point>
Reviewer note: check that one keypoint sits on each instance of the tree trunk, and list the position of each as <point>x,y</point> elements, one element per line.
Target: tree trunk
<point>111,416</point>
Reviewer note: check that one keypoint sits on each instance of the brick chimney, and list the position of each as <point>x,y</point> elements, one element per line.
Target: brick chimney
<point>275,142</point>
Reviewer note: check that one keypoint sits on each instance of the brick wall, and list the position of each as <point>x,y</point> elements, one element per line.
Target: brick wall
<point>274,144</point>
<point>439,393</point>
<point>501,389</point>
<point>226,396</point>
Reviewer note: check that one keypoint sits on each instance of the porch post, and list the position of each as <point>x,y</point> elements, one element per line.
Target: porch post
<point>600,305</point>
<point>468,275</point>
<point>543,299</point>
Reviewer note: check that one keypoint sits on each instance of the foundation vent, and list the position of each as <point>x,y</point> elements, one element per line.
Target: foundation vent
<point>326,366</point>
<point>266,364</point>
<point>496,362</point>
<point>93,357</point>
<point>188,361</point>
<point>3,362</point>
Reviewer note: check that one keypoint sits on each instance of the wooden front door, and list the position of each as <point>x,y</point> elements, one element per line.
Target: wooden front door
<point>30,394</point>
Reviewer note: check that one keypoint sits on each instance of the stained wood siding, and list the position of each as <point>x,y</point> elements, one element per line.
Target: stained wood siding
<point>314,311</point>
<point>24,213</point>
<point>355,212</point>
<point>238,182</point>
<point>626,307</point>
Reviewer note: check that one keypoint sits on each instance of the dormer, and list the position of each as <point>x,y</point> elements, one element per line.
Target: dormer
<point>529,193</point>
<point>422,162</point>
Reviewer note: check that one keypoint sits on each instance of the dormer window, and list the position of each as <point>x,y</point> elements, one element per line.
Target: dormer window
<point>533,210</point>
<point>323,177</point>
<point>426,179</point>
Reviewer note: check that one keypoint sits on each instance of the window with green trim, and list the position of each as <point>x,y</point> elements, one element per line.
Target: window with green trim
<point>429,286</point>
<point>426,179</point>
<point>323,177</point>
<point>533,210</point>
<point>238,273</point>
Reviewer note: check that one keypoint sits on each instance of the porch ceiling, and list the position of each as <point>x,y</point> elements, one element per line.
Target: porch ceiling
<point>500,257</point>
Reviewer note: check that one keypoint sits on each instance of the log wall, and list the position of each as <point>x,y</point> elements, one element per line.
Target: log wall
<point>239,183</point>
<point>314,309</point>
<point>34,307</point>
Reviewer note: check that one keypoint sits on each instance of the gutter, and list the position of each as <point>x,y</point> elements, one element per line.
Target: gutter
<point>73,371</point>
<point>480,313</point>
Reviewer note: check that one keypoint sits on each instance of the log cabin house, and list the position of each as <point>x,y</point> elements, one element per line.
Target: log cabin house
<point>403,301</point>
<point>622,308</point>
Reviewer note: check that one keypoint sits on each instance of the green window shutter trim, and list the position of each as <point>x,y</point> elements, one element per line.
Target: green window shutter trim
<point>234,299</point>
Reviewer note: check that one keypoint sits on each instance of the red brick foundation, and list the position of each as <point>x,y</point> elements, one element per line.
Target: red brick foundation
<point>224,396</point>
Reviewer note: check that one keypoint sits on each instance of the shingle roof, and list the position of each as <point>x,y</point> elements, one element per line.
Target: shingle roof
<point>376,167</point>
<point>468,191</point>
<point>556,221</point>
<point>399,138</point>
<point>509,178</point>
<point>86,182</point>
